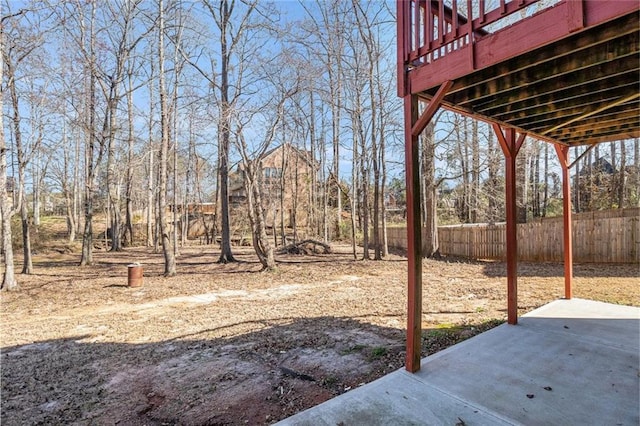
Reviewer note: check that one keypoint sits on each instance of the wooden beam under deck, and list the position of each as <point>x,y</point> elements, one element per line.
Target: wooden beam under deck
<point>579,67</point>
<point>581,42</point>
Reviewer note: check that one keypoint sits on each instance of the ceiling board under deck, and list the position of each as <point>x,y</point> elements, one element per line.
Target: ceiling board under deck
<point>582,89</point>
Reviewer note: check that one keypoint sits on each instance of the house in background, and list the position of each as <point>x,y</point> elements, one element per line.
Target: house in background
<point>288,176</point>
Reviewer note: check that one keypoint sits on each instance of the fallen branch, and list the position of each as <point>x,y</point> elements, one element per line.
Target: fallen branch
<point>307,247</point>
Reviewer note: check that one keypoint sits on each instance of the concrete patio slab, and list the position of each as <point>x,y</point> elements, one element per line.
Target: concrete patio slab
<point>571,362</point>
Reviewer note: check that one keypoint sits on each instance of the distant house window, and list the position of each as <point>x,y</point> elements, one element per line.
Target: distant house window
<point>272,172</point>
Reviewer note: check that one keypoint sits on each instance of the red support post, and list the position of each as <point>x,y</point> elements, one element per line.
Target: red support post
<point>563,156</point>
<point>510,147</point>
<point>402,46</point>
<point>414,237</point>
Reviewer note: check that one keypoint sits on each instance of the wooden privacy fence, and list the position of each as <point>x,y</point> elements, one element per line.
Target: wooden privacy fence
<point>609,236</point>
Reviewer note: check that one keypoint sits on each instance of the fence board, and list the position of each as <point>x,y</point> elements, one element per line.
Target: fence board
<point>608,236</point>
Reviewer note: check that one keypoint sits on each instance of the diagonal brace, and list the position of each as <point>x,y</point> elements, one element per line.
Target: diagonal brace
<point>507,149</point>
<point>428,114</point>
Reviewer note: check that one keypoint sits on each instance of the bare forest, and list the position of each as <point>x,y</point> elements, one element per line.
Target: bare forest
<point>150,116</point>
<point>250,155</point>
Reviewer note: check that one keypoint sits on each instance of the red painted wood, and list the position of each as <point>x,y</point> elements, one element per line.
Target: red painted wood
<point>430,26</point>
<point>548,26</point>
<point>401,46</point>
<point>426,15</point>
<point>414,238</point>
<point>416,32</point>
<point>575,15</point>
<point>598,11</point>
<point>563,156</point>
<point>497,14</point>
<point>454,65</point>
<point>441,25</point>
<point>540,29</point>
<point>509,146</point>
<point>506,150</point>
<point>535,31</point>
<point>519,142</point>
<point>454,24</point>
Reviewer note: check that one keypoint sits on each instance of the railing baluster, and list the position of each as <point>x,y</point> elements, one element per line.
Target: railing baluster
<point>470,20</point>
<point>430,24</point>
<point>416,25</point>
<point>441,24</point>
<point>503,7</point>
<point>481,15</point>
<point>425,33</point>
<point>455,17</point>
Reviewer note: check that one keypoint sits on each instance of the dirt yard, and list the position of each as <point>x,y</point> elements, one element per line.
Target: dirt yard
<point>226,344</point>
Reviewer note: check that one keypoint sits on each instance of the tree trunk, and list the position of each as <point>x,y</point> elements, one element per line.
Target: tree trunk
<point>364,181</point>
<point>129,237</point>
<point>577,202</point>
<point>226,254</point>
<point>622,175</point>
<point>150,172</point>
<point>431,243</point>
<point>112,175</point>
<point>614,180</point>
<point>22,164</point>
<point>87,236</point>
<point>169,258</point>
<point>8,278</point>
<point>37,189</point>
<point>492,187</point>
<point>260,239</point>
<point>27,265</point>
<point>354,191</point>
<point>475,172</point>
<point>6,212</point>
<point>545,200</point>
<point>67,192</point>
<point>283,167</point>
<point>636,168</point>
<point>312,223</point>
<point>523,161</point>
<point>463,152</point>
<point>76,190</point>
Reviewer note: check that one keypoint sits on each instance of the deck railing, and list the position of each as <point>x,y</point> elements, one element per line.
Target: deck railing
<point>431,28</point>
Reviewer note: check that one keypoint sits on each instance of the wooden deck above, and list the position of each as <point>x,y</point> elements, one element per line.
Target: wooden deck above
<point>564,71</point>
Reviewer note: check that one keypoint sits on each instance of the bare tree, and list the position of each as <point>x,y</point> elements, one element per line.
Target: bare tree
<point>328,29</point>
<point>167,249</point>
<point>252,169</point>
<point>431,242</point>
<point>6,209</point>
<point>151,155</point>
<point>15,51</point>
